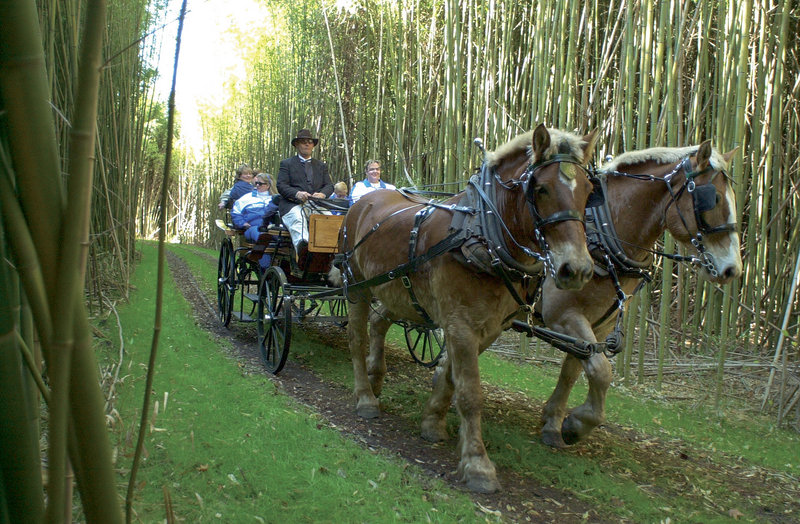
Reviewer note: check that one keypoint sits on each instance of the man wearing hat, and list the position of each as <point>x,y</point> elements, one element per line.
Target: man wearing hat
<point>299,178</point>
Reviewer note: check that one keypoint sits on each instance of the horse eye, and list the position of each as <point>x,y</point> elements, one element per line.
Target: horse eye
<point>718,199</point>
<point>540,191</point>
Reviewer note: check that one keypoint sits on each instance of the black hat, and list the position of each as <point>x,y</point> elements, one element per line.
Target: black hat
<point>304,133</point>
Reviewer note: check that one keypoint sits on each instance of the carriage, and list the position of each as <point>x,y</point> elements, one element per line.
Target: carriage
<point>290,291</point>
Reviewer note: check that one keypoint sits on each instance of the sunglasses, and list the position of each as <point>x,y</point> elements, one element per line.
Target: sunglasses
<point>262,183</point>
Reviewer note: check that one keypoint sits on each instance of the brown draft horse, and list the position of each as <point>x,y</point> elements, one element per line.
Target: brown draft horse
<point>535,177</point>
<point>641,205</point>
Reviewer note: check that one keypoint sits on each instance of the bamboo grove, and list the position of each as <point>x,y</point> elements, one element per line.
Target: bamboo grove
<point>413,82</point>
<point>76,132</point>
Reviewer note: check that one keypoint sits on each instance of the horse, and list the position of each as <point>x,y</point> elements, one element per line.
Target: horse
<point>423,270</point>
<point>683,190</point>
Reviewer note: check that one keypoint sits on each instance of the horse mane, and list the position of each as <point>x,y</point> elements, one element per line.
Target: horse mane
<point>561,142</point>
<point>660,155</point>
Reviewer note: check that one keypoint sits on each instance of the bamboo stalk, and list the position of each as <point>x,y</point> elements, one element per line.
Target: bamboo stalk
<point>160,278</point>
<point>779,347</point>
<point>21,487</point>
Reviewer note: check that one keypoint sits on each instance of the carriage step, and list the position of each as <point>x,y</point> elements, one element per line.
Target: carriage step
<point>252,297</point>
<point>242,317</point>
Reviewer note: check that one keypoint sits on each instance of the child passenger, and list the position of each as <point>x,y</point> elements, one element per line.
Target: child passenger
<point>340,193</point>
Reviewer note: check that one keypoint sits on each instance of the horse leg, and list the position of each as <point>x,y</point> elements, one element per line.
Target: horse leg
<point>366,403</point>
<point>583,419</point>
<point>474,468</point>
<point>376,361</point>
<point>555,410</point>
<point>434,425</point>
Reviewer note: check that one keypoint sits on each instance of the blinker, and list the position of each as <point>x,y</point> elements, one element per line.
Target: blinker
<point>598,195</point>
<point>705,197</point>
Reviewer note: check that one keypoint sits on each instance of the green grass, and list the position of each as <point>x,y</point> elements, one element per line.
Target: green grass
<point>230,448</point>
<point>729,432</point>
<point>619,477</point>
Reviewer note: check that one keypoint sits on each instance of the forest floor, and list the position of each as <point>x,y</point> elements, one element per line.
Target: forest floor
<point>522,499</point>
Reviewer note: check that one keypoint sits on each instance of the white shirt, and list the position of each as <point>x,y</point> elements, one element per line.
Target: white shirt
<point>363,187</point>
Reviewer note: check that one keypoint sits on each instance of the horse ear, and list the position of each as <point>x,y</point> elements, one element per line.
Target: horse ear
<point>703,155</point>
<point>729,155</point>
<point>540,141</point>
<point>590,140</point>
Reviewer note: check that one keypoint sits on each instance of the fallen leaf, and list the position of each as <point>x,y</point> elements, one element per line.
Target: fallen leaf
<point>488,511</point>
<point>735,513</point>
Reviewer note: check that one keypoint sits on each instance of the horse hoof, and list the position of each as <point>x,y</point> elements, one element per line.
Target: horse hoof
<point>553,439</point>
<point>483,485</point>
<point>434,436</point>
<point>478,475</point>
<point>434,432</point>
<point>368,411</point>
<point>570,431</point>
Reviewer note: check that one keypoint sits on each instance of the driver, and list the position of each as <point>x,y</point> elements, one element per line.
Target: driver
<point>299,178</point>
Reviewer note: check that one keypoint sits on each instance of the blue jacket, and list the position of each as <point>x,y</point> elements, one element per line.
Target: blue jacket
<point>239,189</point>
<point>254,208</point>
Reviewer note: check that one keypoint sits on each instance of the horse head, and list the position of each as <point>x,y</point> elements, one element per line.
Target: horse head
<point>704,213</point>
<point>548,163</point>
<point>557,190</point>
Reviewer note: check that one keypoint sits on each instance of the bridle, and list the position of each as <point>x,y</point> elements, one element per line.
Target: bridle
<point>703,199</point>
<point>528,182</point>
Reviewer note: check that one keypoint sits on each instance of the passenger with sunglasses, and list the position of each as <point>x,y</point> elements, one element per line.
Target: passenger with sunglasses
<point>253,210</point>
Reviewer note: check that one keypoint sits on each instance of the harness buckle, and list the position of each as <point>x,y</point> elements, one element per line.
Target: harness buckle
<point>406,281</point>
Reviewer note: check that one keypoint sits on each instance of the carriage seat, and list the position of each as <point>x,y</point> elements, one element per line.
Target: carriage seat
<point>229,229</point>
<point>276,240</point>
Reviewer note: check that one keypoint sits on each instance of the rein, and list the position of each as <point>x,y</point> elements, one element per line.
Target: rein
<point>700,203</point>
<point>614,258</point>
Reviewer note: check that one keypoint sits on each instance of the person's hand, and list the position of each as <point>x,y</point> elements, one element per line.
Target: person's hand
<point>302,196</point>
<point>221,205</point>
<point>246,224</point>
<point>318,195</point>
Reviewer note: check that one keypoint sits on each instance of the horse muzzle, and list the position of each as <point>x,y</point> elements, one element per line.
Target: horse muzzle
<point>573,272</point>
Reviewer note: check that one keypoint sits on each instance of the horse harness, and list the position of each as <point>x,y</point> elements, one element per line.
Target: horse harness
<point>611,260</point>
<point>475,236</point>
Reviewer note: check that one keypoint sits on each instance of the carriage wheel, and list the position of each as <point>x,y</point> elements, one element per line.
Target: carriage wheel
<point>225,284</point>
<point>274,320</point>
<point>248,282</point>
<point>337,308</point>
<point>425,345</point>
